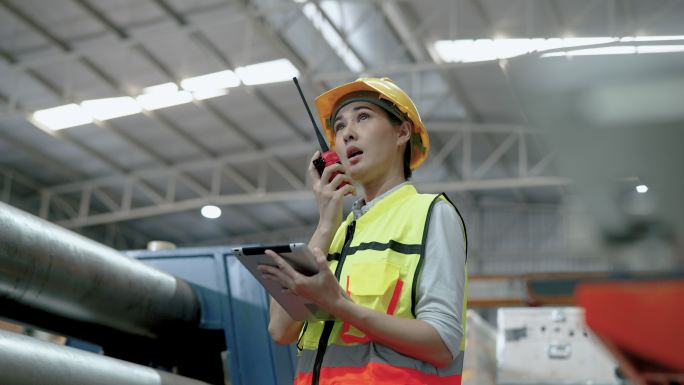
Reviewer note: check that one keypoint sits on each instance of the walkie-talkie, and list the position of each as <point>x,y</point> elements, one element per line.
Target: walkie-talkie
<point>327,157</point>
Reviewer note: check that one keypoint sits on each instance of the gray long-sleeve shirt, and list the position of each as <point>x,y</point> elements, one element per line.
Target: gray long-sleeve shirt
<point>442,280</point>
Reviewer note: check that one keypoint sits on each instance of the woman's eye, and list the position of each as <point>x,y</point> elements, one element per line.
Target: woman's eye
<point>338,127</point>
<point>363,116</point>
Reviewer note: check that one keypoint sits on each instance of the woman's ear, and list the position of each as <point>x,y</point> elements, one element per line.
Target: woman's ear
<point>404,132</point>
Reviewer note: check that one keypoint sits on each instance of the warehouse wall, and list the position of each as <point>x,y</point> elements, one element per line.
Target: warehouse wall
<point>526,238</point>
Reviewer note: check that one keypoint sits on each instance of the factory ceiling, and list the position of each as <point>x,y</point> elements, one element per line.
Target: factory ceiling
<point>174,105</point>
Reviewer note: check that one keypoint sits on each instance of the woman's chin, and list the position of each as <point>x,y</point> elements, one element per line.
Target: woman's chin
<point>361,175</point>
<point>354,174</point>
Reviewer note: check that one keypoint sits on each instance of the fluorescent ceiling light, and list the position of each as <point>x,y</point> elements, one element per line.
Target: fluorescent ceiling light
<point>659,38</point>
<point>211,211</point>
<point>575,42</point>
<point>163,95</point>
<point>267,72</point>
<point>659,48</point>
<point>57,118</point>
<point>163,88</point>
<point>464,51</point>
<point>110,108</point>
<point>333,38</point>
<point>619,50</point>
<point>492,49</point>
<point>155,101</point>
<point>642,188</point>
<point>213,81</point>
<point>207,94</point>
<point>614,50</point>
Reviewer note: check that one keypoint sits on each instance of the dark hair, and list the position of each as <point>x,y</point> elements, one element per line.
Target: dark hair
<point>395,121</point>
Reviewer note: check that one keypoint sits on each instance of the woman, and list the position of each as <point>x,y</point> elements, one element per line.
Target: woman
<point>399,255</point>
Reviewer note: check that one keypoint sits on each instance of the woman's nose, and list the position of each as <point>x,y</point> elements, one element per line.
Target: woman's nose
<point>348,133</point>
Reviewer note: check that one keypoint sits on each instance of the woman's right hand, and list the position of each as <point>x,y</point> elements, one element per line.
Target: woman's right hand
<point>329,194</point>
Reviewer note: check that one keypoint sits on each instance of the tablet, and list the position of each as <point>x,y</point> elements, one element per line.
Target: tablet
<point>301,259</point>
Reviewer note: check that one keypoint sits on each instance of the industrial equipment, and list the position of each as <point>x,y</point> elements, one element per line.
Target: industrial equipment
<point>195,312</point>
<point>550,346</point>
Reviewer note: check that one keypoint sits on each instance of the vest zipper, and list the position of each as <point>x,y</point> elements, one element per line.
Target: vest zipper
<point>328,326</point>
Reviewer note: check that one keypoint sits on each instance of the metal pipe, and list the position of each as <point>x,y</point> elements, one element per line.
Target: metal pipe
<point>51,269</point>
<point>28,361</point>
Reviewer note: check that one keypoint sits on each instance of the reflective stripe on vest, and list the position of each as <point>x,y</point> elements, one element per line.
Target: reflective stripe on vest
<point>378,267</point>
<point>368,364</point>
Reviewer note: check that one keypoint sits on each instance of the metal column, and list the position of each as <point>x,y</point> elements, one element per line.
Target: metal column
<point>28,361</point>
<point>53,270</point>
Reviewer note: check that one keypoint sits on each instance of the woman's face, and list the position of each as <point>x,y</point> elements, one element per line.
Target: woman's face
<point>368,145</point>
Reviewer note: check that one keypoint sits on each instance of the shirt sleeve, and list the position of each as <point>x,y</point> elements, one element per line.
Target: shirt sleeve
<point>442,279</point>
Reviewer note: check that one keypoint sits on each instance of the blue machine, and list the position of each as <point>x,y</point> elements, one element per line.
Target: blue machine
<point>233,301</point>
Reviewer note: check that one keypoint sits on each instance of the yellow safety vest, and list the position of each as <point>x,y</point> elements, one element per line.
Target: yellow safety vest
<point>377,260</point>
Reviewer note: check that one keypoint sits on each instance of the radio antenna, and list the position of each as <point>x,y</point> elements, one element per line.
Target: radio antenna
<point>319,136</point>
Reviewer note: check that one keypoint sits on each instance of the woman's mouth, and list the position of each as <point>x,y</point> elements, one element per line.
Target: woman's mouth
<point>354,155</point>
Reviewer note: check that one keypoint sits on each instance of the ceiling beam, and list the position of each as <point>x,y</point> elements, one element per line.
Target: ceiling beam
<point>404,23</point>
<point>203,41</point>
<point>344,35</point>
<point>298,195</point>
<point>284,151</point>
<point>266,193</point>
<point>274,37</point>
<point>90,47</point>
<point>63,46</point>
<point>230,125</point>
<point>65,203</point>
<point>144,187</point>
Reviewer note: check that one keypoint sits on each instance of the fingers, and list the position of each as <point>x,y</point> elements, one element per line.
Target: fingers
<point>348,189</point>
<point>338,187</point>
<point>337,193</point>
<point>340,180</point>
<point>284,286</point>
<point>343,186</point>
<point>321,260</point>
<point>317,252</point>
<point>312,170</point>
<point>283,266</point>
<point>331,179</point>
<point>274,274</point>
<point>330,170</point>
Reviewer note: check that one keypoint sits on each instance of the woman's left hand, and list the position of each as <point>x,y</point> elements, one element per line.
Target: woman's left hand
<point>413,337</point>
<point>322,288</point>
